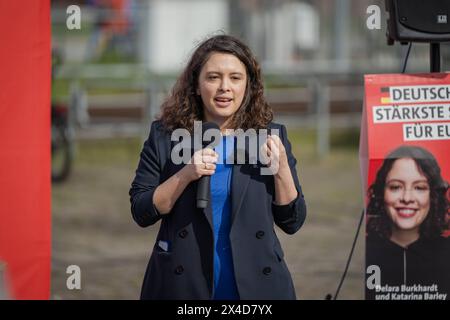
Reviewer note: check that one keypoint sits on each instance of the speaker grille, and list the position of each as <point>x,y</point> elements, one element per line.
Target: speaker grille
<point>430,16</point>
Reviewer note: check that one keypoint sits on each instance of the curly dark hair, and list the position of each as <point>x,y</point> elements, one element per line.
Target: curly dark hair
<point>184,106</point>
<point>379,223</point>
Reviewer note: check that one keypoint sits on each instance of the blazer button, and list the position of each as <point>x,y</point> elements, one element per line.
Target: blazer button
<point>179,270</point>
<point>183,233</point>
<point>267,270</point>
<point>260,234</point>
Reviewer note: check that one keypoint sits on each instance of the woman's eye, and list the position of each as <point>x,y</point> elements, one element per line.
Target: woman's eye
<point>422,188</point>
<point>212,77</point>
<point>395,187</point>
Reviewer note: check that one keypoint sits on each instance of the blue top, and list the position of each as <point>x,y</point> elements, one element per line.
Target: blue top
<point>224,280</point>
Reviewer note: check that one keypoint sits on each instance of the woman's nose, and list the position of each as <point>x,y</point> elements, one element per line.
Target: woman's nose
<point>407,195</point>
<point>224,85</point>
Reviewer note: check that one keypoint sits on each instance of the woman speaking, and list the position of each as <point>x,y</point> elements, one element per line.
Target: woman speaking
<point>228,250</point>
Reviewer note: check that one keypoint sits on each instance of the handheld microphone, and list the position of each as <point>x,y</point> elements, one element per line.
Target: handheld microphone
<point>204,182</point>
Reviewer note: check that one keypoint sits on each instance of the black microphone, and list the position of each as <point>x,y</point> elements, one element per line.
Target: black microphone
<point>204,181</point>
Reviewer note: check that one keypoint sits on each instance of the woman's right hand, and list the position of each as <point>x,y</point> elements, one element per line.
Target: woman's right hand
<point>201,164</point>
<point>166,194</point>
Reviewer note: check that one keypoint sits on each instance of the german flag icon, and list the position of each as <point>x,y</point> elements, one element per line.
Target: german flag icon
<point>385,96</point>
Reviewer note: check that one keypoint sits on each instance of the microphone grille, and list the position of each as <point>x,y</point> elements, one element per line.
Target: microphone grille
<point>206,126</point>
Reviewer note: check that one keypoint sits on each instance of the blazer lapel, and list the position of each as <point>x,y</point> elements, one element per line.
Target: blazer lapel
<point>240,178</point>
<point>208,211</point>
<point>239,184</point>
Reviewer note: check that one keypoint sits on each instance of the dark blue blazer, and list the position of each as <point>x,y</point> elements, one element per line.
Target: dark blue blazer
<point>184,268</point>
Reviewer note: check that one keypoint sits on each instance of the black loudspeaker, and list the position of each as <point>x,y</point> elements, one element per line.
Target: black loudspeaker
<point>418,21</point>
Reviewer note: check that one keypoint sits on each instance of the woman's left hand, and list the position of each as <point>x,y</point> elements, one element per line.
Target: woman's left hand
<point>274,154</point>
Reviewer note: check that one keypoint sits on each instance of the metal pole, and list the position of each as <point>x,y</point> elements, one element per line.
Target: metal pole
<point>323,117</point>
<point>341,41</point>
<point>435,57</point>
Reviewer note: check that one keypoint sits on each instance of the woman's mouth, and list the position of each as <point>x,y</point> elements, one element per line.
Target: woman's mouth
<point>406,212</point>
<point>222,102</point>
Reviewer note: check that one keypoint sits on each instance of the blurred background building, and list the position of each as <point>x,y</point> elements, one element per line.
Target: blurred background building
<point>282,33</point>
<point>305,47</point>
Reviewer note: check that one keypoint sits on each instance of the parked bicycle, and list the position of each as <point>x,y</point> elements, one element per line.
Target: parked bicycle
<point>64,117</point>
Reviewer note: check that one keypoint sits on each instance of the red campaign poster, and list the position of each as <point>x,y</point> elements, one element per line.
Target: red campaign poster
<point>25,236</point>
<point>405,168</point>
